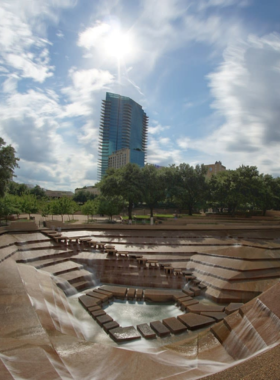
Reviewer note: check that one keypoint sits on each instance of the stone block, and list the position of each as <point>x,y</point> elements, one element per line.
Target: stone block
<point>139,294</point>
<point>97,313</point>
<point>117,291</point>
<point>94,308</point>
<point>221,331</point>
<point>130,293</point>
<point>191,302</point>
<point>184,299</point>
<point>110,325</point>
<point>233,320</point>
<point>195,321</point>
<point>233,306</point>
<point>124,334</point>
<point>108,294</point>
<point>174,325</point>
<point>100,296</point>
<point>189,292</point>
<point>159,328</point>
<point>158,295</point>
<point>199,308</point>
<point>218,316</point>
<point>104,319</point>
<point>88,301</point>
<point>196,290</point>
<point>146,331</point>
<point>202,286</point>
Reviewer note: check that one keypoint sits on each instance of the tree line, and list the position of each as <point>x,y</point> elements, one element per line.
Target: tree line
<point>188,188</point>
<point>183,186</point>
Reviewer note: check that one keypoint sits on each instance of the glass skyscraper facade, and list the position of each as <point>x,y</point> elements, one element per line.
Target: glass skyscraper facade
<point>123,124</point>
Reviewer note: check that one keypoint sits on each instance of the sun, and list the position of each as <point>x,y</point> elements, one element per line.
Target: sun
<point>118,44</point>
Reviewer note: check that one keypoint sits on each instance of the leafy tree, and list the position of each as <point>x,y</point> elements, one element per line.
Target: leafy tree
<point>110,205</point>
<point>62,206</point>
<point>90,208</point>
<point>29,204</point>
<point>19,189</point>
<point>268,192</point>
<point>187,185</point>
<point>153,186</point>
<point>125,182</point>
<point>9,205</point>
<point>46,209</point>
<point>83,196</point>
<point>8,162</point>
<point>236,188</point>
<point>38,192</point>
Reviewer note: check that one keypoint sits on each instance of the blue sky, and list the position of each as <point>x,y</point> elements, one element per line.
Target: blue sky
<point>206,72</point>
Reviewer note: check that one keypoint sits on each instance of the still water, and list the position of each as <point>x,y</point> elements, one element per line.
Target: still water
<point>127,313</point>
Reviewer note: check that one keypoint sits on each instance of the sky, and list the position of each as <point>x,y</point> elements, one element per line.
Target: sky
<point>206,72</point>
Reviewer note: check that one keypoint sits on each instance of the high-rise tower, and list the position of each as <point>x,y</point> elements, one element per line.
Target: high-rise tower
<point>123,125</point>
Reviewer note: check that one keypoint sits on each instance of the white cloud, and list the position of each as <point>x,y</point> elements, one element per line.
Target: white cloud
<point>204,4</point>
<point>157,129</point>
<point>246,95</point>
<point>22,30</point>
<point>59,34</point>
<point>161,151</point>
<point>84,84</point>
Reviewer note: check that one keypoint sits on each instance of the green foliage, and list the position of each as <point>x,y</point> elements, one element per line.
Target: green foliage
<point>90,208</point>
<point>62,206</point>
<point>83,196</point>
<point>46,208</point>
<point>9,205</point>
<point>125,182</point>
<point>8,162</point>
<point>233,189</point>
<point>18,189</point>
<point>187,185</point>
<point>153,186</point>
<point>268,192</point>
<point>29,204</point>
<point>110,205</point>
<point>38,192</point>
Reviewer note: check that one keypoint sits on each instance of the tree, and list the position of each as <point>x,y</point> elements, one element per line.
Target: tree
<point>83,196</point>
<point>110,205</point>
<point>236,188</point>
<point>125,182</point>
<point>38,192</point>
<point>19,189</point>
<point>62,206</point>
<point>153,186</point>
<point>8,206</point>
<point>268,192</point>
<point>187,185</point>
<point>8,162</point>
<point>90,208</point>
<point>46,208</point>
<point>29,204</point>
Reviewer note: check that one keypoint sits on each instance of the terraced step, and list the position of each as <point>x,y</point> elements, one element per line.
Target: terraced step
<point>61,268</point>
<point>42,254</point>
<point>76,276</point>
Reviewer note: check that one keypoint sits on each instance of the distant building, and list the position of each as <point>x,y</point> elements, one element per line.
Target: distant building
<point>90,189</point>
<point>58,194</point>
<point>214,169</point>
<point>123,126</point>
<point>119,158</point>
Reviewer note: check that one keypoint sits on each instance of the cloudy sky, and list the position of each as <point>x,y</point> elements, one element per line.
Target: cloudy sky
<point>207,73</point>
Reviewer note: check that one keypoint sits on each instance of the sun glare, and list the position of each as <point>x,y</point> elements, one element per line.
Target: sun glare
<point>118,45</point>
